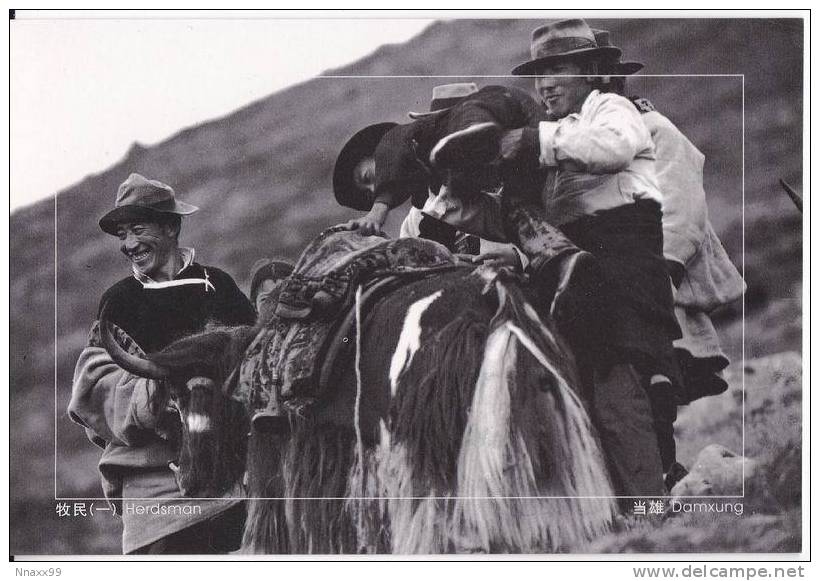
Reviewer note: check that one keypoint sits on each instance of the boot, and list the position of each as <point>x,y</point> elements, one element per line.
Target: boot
<point>568,277</point>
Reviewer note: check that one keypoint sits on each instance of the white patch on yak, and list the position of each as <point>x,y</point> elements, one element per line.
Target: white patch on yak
<point>409,340</point>
<point>198,422</point>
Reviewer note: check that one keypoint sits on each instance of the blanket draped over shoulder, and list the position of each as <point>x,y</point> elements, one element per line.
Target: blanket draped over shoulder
<point>280,368</point>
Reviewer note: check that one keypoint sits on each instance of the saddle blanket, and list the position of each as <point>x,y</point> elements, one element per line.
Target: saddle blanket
<point>280,369</point>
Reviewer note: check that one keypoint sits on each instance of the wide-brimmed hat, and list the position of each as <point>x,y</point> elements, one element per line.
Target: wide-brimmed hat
<point>362,145</point>
<point>617,67</point>
<point>561,40</point>
<point>139,198</point>
<point>445,96</point>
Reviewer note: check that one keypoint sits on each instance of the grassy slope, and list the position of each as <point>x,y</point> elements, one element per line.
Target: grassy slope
<point>261,175</point>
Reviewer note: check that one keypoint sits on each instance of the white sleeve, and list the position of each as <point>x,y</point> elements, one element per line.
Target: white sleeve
<point>605,138</point>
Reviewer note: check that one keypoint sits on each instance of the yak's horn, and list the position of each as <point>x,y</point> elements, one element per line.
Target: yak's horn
<point>798,201</point>
<point>131,363</point>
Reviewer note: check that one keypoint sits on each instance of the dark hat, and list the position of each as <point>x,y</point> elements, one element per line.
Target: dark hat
<point>445,96</point>
<point>139,198</point>
<point>268,268</point>
<point>561,40</point>
<point>602,37</point>
<point>363,144</point>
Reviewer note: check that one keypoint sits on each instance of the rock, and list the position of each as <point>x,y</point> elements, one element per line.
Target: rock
<point>717,471</point>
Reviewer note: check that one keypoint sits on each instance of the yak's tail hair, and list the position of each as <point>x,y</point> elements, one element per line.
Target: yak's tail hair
<point>531,473</point>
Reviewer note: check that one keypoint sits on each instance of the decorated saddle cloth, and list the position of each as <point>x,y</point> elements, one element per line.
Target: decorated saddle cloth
<point>280,369</point>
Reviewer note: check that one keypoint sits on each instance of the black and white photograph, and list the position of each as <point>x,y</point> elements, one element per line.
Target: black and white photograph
<point>408,285</point>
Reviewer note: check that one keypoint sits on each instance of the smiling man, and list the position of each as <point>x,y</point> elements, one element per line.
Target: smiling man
<point>167,296</point>
<point>604,196</point>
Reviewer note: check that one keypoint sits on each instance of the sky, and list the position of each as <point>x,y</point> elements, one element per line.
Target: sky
<point>84,89</point>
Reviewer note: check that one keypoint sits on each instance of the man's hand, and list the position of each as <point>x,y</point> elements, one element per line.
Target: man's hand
<point>465,259</point>
<point>505,256</point>
<point>371,223</point>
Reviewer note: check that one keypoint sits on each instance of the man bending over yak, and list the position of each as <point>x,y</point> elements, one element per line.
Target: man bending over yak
<point>447,163</point>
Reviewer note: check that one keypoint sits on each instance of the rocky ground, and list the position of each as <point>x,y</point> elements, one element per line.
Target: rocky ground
<point>711,439</point>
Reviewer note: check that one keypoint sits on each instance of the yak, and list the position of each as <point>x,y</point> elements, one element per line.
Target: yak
<point>453,422</point>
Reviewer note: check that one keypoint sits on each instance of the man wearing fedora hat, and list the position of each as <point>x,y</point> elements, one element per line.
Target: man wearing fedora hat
<point>605,198</point>
<point>167,295</point>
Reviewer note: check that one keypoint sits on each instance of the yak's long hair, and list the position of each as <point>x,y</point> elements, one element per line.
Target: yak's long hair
<point>298,492</point>
<point>414,468</point>
<point>486,447</point>
<point>266,529</point>
<point>531,474</point>
<point>214,426</point>
<point>490,448</point>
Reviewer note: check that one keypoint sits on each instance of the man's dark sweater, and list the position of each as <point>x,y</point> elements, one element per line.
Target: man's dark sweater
<point>155,317</point>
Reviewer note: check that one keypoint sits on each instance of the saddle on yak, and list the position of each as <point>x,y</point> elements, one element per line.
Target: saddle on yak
<point>289,364</point>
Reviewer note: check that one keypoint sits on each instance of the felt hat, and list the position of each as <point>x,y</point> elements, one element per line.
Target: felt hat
<point>139,198</point>
<point>602,37</point>
<point>445,96</point>
<point>561,40</point>
<point>362,145</point>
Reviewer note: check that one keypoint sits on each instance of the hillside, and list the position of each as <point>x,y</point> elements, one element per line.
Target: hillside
<point>261,175</point>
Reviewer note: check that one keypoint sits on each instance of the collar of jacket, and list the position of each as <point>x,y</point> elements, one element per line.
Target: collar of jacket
<point>187,260</point>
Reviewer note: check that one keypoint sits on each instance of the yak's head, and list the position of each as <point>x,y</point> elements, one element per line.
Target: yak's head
<point>195,375</point>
